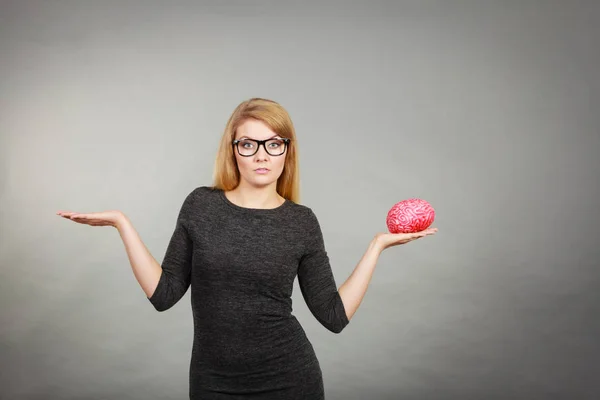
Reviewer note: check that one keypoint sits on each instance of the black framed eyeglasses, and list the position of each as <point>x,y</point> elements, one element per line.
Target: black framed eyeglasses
<point>249,147</point>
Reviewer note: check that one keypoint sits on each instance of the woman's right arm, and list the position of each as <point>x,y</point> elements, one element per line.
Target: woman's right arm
<point>146,269</point>
<point>165,283</point>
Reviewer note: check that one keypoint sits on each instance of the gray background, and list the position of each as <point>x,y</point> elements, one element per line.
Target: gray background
<point>488,110</point>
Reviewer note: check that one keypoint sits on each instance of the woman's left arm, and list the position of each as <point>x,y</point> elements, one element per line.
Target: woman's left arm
<point>354,288</point>
<point>334,307</point>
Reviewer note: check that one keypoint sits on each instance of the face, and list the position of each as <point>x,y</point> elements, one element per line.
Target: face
<point>261,169</point>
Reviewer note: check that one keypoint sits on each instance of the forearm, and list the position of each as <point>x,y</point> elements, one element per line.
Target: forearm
<point>146,269</point>
<point>354,288</point>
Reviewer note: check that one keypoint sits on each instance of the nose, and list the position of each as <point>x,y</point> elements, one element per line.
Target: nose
<point>262,153</point>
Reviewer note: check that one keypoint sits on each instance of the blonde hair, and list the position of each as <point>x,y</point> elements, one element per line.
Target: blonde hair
<point>226,175</point>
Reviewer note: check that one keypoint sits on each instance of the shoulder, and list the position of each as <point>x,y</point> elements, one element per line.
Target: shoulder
<point>201,191</point>
<point>197,196</point>
<point>305,216</point>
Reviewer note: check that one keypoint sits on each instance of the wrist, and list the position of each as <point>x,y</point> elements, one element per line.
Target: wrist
<point>121,221</point>
<point>376,245</point>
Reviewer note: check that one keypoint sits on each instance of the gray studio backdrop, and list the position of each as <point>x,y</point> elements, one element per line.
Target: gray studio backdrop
<point>488,110</point>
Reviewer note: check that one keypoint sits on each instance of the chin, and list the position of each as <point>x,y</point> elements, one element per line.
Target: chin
<point>262,181</point>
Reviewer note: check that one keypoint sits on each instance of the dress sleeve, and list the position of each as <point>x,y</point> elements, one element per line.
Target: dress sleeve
<point>317,282</point>
<point>176,266</point>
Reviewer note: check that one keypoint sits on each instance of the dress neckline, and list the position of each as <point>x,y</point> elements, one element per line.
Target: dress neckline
<point>250,209</point>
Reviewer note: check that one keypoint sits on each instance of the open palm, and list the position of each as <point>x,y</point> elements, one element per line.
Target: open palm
<point>393,239</point>
<point>103,218</point>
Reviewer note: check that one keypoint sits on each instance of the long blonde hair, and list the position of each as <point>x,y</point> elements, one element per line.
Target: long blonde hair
<point>226,175</point>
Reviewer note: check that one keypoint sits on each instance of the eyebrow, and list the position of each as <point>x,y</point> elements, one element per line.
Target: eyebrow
<point>246,137</point>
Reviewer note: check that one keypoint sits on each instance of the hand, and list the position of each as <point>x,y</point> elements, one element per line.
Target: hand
<point>385,240</point>
<point>104,218</point>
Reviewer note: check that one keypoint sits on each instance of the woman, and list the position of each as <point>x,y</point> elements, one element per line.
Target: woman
<point>240,244</point>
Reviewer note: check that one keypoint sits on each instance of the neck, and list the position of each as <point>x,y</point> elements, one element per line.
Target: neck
<point>256,197</point>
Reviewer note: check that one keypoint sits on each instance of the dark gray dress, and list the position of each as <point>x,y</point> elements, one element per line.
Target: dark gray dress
<point>241,264</point>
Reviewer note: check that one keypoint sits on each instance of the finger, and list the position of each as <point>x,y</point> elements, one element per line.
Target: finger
<point>70,215</point>
<point>67,216</point>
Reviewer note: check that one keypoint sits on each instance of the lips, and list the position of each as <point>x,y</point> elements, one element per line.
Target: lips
<point>261,170</point>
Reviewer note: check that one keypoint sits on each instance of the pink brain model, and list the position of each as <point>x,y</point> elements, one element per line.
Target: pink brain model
<point>409,216</point>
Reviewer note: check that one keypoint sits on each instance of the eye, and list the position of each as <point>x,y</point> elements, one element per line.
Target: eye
<point>275,143</point>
